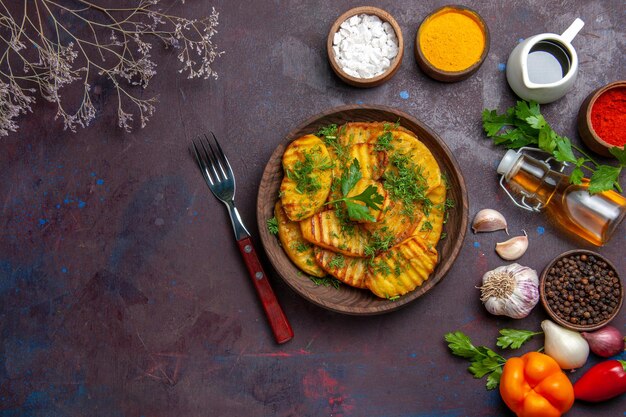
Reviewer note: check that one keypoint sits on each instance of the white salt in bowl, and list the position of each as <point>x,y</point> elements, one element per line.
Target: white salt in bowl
<point>394,63</point>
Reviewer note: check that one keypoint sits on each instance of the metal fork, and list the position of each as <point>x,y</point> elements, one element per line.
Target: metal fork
<point>219,176</point>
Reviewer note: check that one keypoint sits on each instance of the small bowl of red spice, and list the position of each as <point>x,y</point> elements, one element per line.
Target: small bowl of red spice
<point>602,118</point>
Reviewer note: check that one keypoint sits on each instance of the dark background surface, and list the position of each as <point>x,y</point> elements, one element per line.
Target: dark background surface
<point>122,292</point>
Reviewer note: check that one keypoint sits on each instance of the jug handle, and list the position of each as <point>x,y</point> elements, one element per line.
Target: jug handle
<point>573,29</point>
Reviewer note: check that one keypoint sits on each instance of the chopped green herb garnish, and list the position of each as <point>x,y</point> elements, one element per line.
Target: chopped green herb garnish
<point>383,143</point>
<point>329,132</point>
<point>301,246</point>
<point>326,281</point>
<point>302,172</point>
<point>272,225</point>
<point>380,241</point>
<point>338,261</point>
<point>407,183</point>
<point>426,227</point>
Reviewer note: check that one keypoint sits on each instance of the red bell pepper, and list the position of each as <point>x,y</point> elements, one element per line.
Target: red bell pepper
<point>602,381</point>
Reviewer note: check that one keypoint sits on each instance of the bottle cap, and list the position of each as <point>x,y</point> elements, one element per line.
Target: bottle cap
<point>508,162</point>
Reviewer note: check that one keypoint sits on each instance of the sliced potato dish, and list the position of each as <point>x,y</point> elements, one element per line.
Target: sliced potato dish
<point>364,203</point>
<point>299,250</point>
<point>308,175</point>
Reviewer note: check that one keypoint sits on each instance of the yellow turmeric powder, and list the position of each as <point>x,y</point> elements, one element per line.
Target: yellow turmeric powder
<point>452,39</point>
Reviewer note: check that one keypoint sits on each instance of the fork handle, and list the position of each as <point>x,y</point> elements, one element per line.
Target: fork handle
<point>275,315</point>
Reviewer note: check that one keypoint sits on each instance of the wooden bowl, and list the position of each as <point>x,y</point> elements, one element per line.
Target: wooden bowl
<point>585,127</point>
<point>395,64</point>
<point>451,76</point>
<point>553,314</point>
<point>347,299</point>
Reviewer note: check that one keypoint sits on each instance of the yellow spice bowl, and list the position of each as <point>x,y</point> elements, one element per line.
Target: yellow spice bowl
<point>448,43</point>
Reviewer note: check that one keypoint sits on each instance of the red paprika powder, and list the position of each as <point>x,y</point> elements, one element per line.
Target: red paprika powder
<point>608,116</point>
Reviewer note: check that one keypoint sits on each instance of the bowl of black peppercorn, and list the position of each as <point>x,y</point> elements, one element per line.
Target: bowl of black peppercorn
<point>581,290</point>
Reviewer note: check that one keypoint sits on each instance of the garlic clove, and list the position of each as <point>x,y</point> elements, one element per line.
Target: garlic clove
<point>513,248</point>
<point>489,220</point>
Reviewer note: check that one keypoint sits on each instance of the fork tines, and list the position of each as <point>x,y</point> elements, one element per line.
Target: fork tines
<point>212,160</point>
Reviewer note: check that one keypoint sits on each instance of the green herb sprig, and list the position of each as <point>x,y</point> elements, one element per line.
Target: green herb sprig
<point>272,225</point>
<point>524,125</point>
<point>514,339</point>
<point>370,196</point>
<point>484,361</point>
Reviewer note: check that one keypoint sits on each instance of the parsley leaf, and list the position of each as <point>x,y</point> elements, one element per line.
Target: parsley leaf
<point>564,151</point>
<point>514,339</point>
<point>272,225</point>
<point>350,177</point>
<point>620,154</point>
<point>370,196</point>
<point>484,361</point>
<point>524,125</point>
<point>494,122</point>
<point>493,379</point>
<point>603,178</point>
<point>576,177</point>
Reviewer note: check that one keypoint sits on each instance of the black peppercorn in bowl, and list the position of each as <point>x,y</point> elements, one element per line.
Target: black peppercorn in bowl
<point>581,290</point>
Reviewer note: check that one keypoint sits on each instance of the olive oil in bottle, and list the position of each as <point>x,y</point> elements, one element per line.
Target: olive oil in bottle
<point>591,217</point>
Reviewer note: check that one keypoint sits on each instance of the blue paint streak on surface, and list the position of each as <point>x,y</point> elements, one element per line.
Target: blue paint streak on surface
<point>476,244</point>
<point>81,204</point>
<point>404,95</point>
<point>540,230</point>
<point>99,181</point>
<point>501,66</point>
<point>42,222</point>
<point>64,270</point>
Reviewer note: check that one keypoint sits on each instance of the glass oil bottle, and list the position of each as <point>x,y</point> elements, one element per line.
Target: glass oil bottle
<point>591,217</point>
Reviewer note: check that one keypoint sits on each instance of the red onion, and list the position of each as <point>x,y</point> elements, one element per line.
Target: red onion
<point>606,342</point>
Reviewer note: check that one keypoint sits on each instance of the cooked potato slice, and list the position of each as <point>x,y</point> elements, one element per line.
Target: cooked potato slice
<point>371,161</point>
<point>307,179</point>
<point>299,250</point>
<point>401,269</point>
<point>325,229</point>
<point>429,227</point>
<point>361,186</point>
<point>396,222</point>
<point>405,145</point>
<point>349,270</point>
<point>359,132</point>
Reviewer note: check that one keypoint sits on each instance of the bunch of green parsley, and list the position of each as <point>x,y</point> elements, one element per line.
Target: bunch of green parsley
<point>524,125</point>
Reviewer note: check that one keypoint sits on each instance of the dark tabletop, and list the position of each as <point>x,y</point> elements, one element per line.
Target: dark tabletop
<point>122,292</point>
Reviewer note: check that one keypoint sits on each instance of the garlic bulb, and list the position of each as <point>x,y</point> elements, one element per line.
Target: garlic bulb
<point>510,290</point>
<point>513,248</point>
<point>488,220</point>
<point>567,347</point>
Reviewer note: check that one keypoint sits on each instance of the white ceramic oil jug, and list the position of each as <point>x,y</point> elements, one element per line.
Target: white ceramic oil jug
<point>543,67</point>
